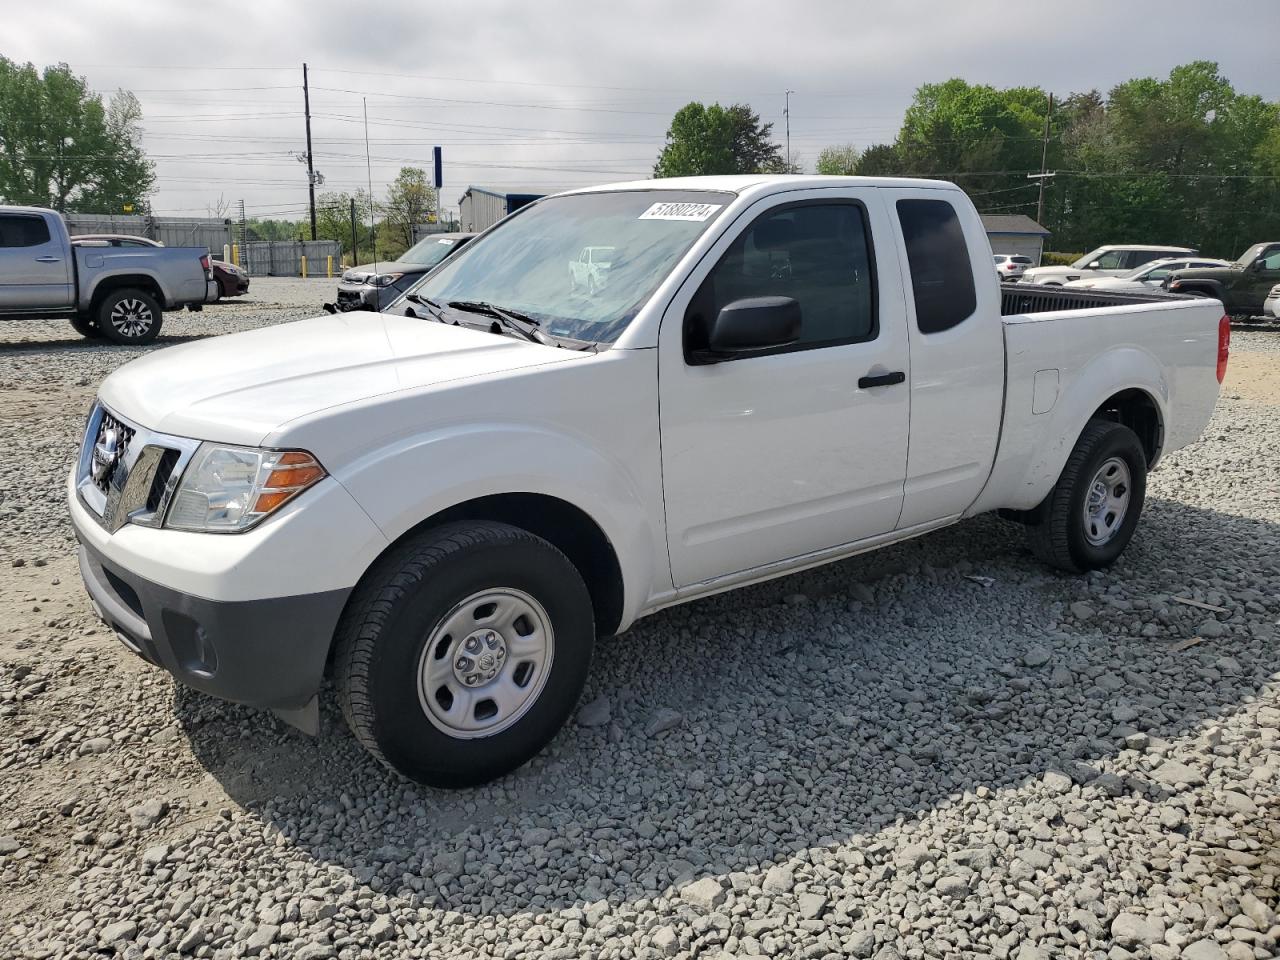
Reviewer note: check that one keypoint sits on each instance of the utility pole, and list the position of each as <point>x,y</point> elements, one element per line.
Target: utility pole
<point>311,171</point>
<point>1044,157</point>
<point>786,112</point>
<point>355,255</point>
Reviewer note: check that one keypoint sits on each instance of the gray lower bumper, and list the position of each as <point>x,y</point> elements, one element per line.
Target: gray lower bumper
<point>265,653</point>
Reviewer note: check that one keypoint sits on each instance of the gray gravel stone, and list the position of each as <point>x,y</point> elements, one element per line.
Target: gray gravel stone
<point>705,894</point>
<point>662,720</point>
<point>596,713</point>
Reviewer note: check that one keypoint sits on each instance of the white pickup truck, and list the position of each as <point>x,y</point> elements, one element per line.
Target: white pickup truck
<point>442,506</point>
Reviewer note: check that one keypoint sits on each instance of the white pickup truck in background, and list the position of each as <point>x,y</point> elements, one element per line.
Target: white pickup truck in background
<point>445,504</point>
<point>115,292</point>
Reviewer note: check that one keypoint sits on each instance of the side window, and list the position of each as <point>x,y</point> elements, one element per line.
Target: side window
<point>1118,260</point>
<point>1146,256</point>
<point>941,274</point>
<point>22,230</point>
<point>1271,259</point>
<point>819,254</point>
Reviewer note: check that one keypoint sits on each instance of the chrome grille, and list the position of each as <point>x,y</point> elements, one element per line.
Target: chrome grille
<point>117,436</point>
<point>126,473</point>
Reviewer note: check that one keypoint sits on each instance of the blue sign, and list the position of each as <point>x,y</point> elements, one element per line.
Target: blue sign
<point>438,163</point>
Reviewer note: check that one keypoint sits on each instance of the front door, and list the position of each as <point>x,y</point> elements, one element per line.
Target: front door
<point>803,448</point>
<point>34,273</point>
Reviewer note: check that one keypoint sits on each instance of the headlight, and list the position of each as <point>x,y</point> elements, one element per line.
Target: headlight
<point>385,279</point>
<point>229,489</point>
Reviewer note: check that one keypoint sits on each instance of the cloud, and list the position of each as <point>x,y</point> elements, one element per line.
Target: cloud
<point>559,94</point>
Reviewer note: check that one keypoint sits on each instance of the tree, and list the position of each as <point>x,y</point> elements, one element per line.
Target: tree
<point>838,160</point>
<point>753,151</point>
<point>333,220</point>
<point>61,147</point>
<point>706,140</point>
<point>409,201</point>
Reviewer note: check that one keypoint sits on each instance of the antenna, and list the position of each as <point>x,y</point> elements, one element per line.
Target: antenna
<point>368,166</point>
<point>786,112</point>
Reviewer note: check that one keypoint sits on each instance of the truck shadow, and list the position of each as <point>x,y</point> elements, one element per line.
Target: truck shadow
<point>46,344</point>
<point>816,711</point>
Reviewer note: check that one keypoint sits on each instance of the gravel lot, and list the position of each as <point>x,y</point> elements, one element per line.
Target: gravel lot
<point>881,758</point>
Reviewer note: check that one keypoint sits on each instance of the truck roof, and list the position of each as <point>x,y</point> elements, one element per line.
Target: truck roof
<point>8,209</point>
<point>1145,246</point>
<point>765,182</point>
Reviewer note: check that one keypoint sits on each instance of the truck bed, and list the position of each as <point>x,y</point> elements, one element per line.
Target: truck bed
<point>1065,348</point>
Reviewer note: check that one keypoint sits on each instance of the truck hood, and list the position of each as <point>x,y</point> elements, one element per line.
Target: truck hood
<point>1052,272</point>
<point>362,273</point>
<point>1205,273</point>
<point>241,387</point>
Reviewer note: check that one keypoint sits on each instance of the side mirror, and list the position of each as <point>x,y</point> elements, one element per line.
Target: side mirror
<point>749,326</point>
<point>1259,264</point>
<point>1097,264</point>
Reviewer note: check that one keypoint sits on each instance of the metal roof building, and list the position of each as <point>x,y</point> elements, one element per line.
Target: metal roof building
<point>482,207</point>
<point>1014,234</point>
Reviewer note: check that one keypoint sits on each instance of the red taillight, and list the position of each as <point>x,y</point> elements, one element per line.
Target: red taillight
<point>1224,345</point>
<point>1009,266</point>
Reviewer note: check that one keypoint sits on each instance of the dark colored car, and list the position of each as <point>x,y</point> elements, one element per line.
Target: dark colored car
<point>370,287</point>
<point>1242,287</point>
<point>232,281</point>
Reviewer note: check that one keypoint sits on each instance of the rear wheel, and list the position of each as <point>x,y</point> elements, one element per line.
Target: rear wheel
<point>463,652</point>
<point>129,316</point>
<point>1089,517</point>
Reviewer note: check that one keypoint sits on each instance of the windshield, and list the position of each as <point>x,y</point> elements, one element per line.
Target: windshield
<point>1250,255</point>
<point>430,251</point>
<point>1088,258</point>
<point>1146,268</point>
<point>582,265</point>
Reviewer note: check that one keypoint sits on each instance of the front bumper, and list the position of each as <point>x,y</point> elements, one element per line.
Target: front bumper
<point>363,296</point>
<point>265,653</point>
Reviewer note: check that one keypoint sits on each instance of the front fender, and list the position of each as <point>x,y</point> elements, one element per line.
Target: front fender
<point>402,485</point>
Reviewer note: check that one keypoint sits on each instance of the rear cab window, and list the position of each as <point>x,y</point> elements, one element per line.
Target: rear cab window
<point>938,258</point>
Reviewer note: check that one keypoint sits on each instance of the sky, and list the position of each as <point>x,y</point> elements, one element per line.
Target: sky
<point>564,93</point>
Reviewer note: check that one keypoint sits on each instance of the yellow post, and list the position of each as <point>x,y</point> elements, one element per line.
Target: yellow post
<point>329,268</point>
<point>235,254</point>
<point>304,266</point>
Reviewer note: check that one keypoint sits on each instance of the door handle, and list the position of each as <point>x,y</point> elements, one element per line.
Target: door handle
<point>48,259</point>
<point>882,380</point>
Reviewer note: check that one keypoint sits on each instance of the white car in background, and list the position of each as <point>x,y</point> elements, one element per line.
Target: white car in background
<point>1011,266</point>
<point>1271,306</point>
<point>1147,277</point>
<point>590,269</point>
<point>1109,261</point>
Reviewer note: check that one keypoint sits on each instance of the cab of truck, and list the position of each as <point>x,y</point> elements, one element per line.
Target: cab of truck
<point>1243,287</point>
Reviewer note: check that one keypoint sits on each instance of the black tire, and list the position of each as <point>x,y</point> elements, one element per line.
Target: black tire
<point>1058,532</point>
<point>85,327</point>
<point>383,636</point>
<point>129,316</point>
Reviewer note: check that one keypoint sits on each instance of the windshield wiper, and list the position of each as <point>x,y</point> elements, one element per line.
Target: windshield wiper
<point>437,311</point>
<point>514,321</point>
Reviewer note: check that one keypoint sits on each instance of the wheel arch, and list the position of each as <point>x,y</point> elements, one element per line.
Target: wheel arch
<point>1138,410</point>
<point>140,281</point>
<point>567,527</point>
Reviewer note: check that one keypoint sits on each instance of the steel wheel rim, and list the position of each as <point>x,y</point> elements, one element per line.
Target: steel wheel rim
<point>1106,501</point>
<point>131,317</point>
<point>485,663</point>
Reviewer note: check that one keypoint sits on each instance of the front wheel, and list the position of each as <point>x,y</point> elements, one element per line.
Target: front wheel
<point>1089,517</point>
<point>463,652</point>
<point>129,317</point>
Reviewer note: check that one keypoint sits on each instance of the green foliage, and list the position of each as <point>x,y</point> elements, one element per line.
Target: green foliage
<point>1050,259</point>
<point>61,147</point>
<point>409,200</point>
<point>1183,160</point>
<point>333,222</point>
<point>276,229</point>
<point>838,160</point>
<point>704,140</point>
